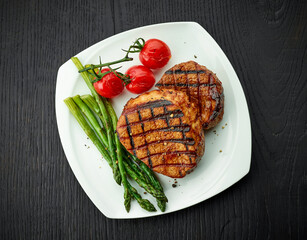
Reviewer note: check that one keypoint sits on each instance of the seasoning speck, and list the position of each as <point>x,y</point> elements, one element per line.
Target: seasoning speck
<point>145,192</point>
<point>220,151</point>
<point>223,127</point>
<point>174,185</point>
<point>195,56</point>
<point>225,124</point>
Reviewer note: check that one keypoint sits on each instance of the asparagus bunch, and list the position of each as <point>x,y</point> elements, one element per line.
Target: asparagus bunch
<point>85,109</point>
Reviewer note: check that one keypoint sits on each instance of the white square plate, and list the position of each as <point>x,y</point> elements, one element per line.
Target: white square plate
<point>228,150</point>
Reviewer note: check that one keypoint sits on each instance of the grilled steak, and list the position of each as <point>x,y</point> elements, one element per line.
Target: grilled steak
<point>202,87</point>
<point>162,128</point>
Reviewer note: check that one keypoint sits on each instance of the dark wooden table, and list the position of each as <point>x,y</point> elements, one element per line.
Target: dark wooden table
<point>266,42</point>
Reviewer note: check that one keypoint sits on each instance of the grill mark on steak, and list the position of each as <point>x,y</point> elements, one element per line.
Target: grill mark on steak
<point>188,153</point>
<point>198,94</point>
<point>130,134</point>
<point>174,77</point>
<point>185,85</point>
<point>176,114</point>
<point>148,153</point>
<point>174,128</point>
<point>187,141</point>
<point>167,116</point>
<point>179,71</point>
<point>184,137</point>
<point>151,105</point>
<point>188,88</point>
<point>177,165</point>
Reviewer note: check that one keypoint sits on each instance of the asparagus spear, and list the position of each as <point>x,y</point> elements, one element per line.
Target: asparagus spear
<point>136,168</point>
<point>92,119</point>
<point>149,188</point>
<point>92,104</point>
<point>144,203</point>
<point>74,109</point>
<point>153,180</point>
<point>119,151</point>
<point>106,118</point>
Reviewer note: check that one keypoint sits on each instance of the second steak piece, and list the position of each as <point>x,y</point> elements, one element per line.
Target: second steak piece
<point>162,129</point>
<point>202,87</point>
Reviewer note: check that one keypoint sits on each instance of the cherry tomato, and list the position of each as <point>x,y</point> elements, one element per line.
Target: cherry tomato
<point>142,79</point>
<point>110,85</point>
<point>155,54</point>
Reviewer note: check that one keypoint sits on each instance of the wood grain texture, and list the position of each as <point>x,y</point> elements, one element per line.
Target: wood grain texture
<point>266,42</point>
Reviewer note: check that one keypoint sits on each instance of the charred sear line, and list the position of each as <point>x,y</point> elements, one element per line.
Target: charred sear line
<point>130,134</point>
<point>188,141</point>
<point>185,85</point>
<point>151,105</point>
<point>184,136</point>
<point>177,165</point>
<point>148,153</point>
<point>178,153</point>
<point>174,128</point>
<point>167,116</point>
<point>176,114</point>
<point>198,95</point>
<point>179,71</point>
<point>188,88</point>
